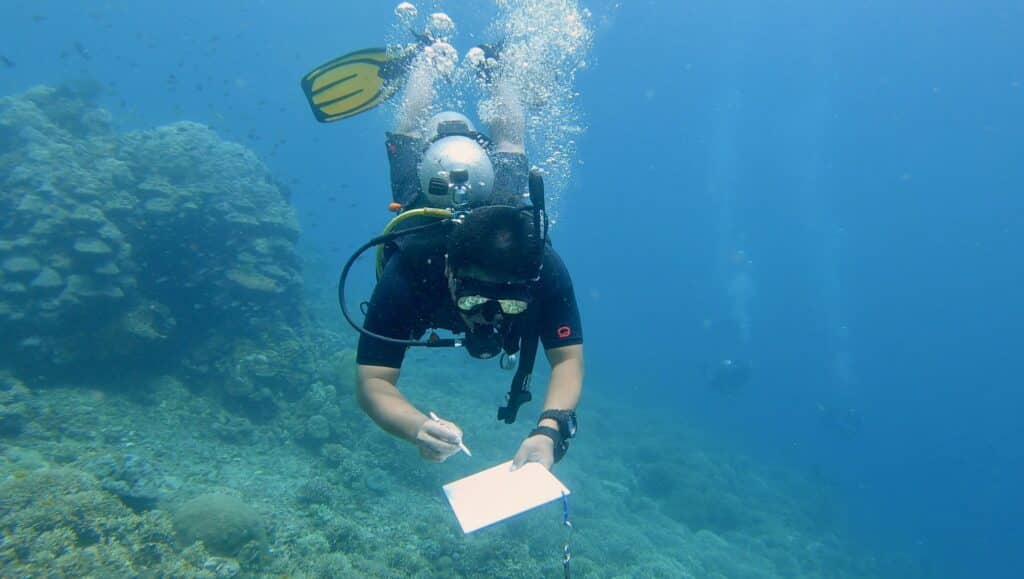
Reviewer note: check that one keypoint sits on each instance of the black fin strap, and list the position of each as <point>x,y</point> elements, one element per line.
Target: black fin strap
<point>519,392</point>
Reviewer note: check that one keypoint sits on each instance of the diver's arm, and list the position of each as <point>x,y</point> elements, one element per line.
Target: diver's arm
<point>566,382</point>
<point>380,398</point>
<point>564,389</point>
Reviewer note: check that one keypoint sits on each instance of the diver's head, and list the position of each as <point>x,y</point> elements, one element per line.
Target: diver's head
<point>456,171</point>
<point>448,123</point>
<point>492,261</point>
<point>495,244</point>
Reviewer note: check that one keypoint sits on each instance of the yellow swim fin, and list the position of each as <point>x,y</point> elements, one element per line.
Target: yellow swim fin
<point>355,83</point>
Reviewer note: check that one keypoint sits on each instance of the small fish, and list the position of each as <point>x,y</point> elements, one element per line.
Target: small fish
<point>39,18</point>
<point>8,63</point>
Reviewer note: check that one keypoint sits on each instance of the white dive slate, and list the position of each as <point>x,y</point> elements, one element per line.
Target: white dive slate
<point>498,493</point>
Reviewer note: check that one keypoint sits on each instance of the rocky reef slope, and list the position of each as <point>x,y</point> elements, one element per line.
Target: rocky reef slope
<point>127,252</point>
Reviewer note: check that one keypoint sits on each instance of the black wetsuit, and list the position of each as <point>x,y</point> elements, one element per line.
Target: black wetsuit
<point>411,298</point>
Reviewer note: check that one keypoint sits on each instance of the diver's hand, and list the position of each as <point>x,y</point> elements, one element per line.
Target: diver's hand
<point>537,448</point>
<point>438,439</point>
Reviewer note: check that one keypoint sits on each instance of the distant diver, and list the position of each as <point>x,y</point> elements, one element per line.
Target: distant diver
<point>468,251</point>
<point>8,63</point>
<point>729,376</point>
<point>82,51</point>
<point>846,422</point>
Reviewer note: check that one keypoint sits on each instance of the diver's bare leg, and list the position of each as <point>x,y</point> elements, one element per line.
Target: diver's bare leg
<point>506,117</point>
<point>419,97</point>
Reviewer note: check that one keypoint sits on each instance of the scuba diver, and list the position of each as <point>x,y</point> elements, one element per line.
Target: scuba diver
<point>843,421</point>
<point>468,252</point>
<point>728,376</point>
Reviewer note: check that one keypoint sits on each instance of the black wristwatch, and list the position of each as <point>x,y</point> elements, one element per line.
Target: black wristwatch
<point>566,429</point>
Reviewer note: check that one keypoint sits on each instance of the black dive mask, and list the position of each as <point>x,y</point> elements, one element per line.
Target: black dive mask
<point>483,342</point>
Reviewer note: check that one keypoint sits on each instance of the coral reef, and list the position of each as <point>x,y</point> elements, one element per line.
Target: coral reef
<point>223,523</point>
<point>16,408</point>
<point>60,522</point>
<point>316,491</point>
<point>132,478</point>
<point>116,248</point>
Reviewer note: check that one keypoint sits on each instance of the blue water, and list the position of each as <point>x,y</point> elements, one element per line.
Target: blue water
<point>865,159</point>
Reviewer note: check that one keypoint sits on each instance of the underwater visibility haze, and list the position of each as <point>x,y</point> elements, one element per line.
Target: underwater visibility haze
<point>793,230</point>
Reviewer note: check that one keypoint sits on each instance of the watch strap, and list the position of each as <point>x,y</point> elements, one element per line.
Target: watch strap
<point>561,445</point>
<point>562,417</point>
